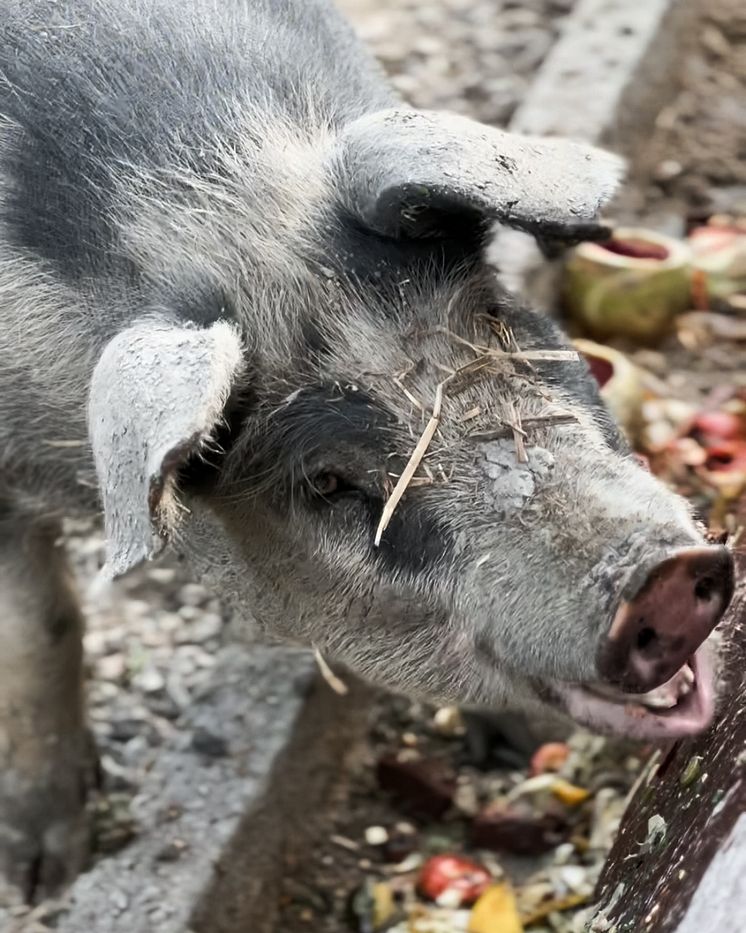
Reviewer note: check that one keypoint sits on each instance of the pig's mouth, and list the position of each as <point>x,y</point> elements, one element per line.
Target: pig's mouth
<point>683,705</point>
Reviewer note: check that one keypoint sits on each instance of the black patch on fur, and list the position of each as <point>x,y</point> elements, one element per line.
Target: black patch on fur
<point>414,540</point>
<point>201,303</point>
<point>201,471</point>
<point>336,427</point>
<point>353,251</point>
<point>314,343</point>
<point>342,430</point>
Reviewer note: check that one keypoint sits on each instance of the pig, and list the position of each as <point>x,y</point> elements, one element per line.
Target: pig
<point>241,283</point>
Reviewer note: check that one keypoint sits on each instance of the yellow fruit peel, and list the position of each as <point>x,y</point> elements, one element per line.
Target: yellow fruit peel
<point>496,912</point>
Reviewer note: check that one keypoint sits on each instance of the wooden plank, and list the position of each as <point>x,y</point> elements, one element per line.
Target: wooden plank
<point>679,862</point>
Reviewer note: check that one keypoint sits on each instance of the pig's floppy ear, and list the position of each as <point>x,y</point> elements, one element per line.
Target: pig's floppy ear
<point>405,172</point>
<point>157,395</point>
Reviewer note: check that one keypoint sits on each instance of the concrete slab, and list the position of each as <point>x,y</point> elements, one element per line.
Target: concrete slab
<point>610,74</point>
<point>225,804</point>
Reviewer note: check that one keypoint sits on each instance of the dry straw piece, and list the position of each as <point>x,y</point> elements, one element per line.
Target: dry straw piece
<point>414,461</point>
<point>336,684</point>
<point>484,357</point>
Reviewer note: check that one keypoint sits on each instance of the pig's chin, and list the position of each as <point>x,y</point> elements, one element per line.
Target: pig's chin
<point>682,706</point>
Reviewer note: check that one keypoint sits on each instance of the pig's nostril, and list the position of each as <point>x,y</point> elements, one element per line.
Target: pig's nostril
<point>705,588</point>
<point>645,638</point>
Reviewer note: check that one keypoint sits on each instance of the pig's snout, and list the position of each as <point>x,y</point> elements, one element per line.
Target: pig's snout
<point>660,629</point>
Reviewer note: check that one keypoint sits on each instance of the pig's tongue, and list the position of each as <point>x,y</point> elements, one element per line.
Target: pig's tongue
<point>684,705</point>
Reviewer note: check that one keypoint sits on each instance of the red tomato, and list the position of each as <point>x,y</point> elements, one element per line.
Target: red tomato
<point>453,873</point>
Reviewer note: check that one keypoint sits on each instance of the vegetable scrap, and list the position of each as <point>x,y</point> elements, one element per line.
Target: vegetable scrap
<point>452,881</point>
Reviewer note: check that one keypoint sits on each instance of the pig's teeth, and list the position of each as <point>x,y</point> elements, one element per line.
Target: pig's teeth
<point>666,696</point>
<point>658,702</point>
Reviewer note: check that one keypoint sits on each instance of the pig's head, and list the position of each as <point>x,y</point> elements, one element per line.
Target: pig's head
<point>530,562</point>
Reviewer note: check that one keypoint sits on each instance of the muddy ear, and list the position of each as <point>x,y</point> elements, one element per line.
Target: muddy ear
<point>157,395</point>
<point>408,172</point>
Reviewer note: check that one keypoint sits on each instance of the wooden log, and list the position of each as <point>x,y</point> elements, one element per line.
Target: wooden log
<point>679,861</point>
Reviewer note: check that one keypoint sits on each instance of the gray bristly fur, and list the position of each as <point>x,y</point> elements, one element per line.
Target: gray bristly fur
<point>169,168</point>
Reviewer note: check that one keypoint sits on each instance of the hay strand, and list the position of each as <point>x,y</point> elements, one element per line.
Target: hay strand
<point>414,461</point>
<point>336,684</point>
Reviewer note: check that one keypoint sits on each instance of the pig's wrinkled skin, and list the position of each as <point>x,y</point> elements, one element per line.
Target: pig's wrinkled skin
<point>230,258</point>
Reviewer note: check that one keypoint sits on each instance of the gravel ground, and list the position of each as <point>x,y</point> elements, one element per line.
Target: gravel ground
<point>472,56</point>
<point>151,644</point>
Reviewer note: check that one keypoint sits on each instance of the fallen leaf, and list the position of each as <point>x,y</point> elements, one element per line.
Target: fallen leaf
<point>569,794</point>
<point>496,912</point>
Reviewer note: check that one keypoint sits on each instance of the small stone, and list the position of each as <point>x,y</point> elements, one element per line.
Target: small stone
<point>208,743</point>
<point>190,613</point>
<point>376,836</point>
<point>111,666</point>
<point>172,851</point>
<point>206,627</point>
<point>715,42</point>
<point>149,680</point>
<point>137,609</point>
<point>448,722</point>
<point>119,901</point>
<point>126,728</point>
<point>170,622</point>
<point>193,594</point>
<point>668,169</point>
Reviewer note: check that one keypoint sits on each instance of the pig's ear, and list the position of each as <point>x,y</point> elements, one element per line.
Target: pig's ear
<point>410,173</point>
<point>157,395</point>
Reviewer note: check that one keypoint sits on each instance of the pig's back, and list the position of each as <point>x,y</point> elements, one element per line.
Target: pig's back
<point>89,86</point>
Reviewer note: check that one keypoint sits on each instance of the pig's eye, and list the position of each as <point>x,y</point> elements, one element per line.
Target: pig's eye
<point>325,484</point>
<point>328,485</point>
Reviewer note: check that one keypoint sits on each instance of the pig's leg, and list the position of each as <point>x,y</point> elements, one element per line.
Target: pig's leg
<point>45,751</point>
